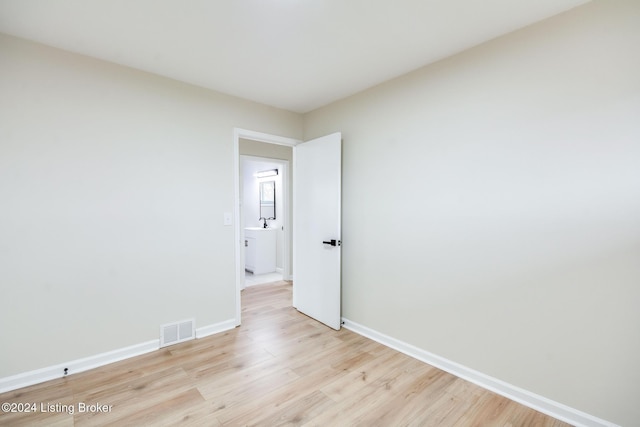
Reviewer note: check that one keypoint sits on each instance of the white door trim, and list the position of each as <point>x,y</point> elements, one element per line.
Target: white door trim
<point>238,134</point>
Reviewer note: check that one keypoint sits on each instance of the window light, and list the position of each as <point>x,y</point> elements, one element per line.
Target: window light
<point>265,174</point>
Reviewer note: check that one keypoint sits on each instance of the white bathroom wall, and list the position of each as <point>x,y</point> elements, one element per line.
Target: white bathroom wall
<point>113,188</point>
<point>491,208</point>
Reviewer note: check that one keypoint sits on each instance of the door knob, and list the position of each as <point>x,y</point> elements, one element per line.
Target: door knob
<point>333,242</point>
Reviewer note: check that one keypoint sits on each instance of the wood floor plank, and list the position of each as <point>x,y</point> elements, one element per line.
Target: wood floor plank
<point>363,405</point>
<point>128,399</point>
<point>296,412</point>
<point>445,405</point>
<point>409,404</point>
<point>233,399</point>
<point>349,384</point>
<point>279,368</point>
<point>166,412</point>
<point>273,400</point>
<point>42,396</point>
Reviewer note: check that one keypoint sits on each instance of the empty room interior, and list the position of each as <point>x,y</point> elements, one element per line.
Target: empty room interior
<point>490,186</point>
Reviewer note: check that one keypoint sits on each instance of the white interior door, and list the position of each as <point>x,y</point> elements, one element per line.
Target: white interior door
<point>316,228</point>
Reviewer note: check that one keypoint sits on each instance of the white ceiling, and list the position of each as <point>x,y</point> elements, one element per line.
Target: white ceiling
<point>293,54</point>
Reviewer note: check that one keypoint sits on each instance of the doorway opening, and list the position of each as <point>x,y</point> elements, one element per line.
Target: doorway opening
<point>264,185</point>
<point>250,146</point>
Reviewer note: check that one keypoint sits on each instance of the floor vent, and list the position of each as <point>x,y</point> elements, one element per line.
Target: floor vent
<point>173,333</point>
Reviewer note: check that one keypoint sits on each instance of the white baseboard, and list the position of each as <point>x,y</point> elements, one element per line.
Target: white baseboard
<point>80,365</point>
<point>216,328</point>
<point>527,398</point>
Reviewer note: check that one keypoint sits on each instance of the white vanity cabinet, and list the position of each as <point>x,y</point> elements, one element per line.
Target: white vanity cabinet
<point>260,250</point>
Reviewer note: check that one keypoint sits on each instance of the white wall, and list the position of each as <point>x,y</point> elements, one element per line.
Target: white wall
<point>113,185</point>
<point>491,208</point>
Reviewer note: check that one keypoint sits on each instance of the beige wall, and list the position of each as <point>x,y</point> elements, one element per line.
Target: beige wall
<point>491,208</point>
<point>263,149</point>
<point>113,185</point>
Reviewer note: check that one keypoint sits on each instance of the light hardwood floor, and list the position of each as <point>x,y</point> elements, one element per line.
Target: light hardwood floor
<point>279,368</point>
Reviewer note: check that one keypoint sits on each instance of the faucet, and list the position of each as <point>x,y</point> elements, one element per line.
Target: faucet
<point>265,222</point>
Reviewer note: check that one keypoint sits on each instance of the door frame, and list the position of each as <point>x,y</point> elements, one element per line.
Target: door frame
<point>238,134</point>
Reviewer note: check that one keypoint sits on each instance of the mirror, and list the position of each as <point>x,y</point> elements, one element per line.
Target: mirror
<point>268,199</point>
